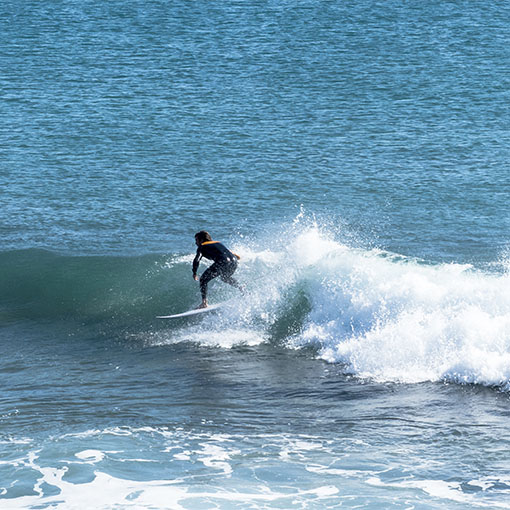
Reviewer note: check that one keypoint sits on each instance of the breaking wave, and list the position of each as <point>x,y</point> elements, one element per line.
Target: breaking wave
<point>380,315</point>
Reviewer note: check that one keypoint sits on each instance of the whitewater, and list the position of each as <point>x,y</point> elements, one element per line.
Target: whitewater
<point>380,315</point>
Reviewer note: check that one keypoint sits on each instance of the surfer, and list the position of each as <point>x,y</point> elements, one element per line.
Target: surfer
<point>224,263</point>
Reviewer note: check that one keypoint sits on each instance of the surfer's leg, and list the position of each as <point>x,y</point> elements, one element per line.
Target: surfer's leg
<point>207,276</point>
<point>226,276</point>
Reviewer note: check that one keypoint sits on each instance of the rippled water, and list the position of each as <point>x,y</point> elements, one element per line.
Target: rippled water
<point>355,154</point>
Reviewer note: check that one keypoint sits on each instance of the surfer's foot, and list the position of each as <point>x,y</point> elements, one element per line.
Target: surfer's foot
<point>203,304</point>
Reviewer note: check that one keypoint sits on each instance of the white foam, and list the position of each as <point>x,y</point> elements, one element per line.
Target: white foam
<point>18,440</point>
<point>214,456</point>
<point>222,338</point>
<point>219,470</point>
<point>401,320</point>
<point>91,456</point>
<point>442,490</point>
<point>383,316</point>
<point>106,491</point>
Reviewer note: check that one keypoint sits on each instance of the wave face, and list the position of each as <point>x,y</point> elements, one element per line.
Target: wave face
<point>379,315</point>
<point>40,285</point>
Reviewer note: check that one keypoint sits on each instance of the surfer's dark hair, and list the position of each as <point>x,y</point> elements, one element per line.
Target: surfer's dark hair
<point>203,236</point>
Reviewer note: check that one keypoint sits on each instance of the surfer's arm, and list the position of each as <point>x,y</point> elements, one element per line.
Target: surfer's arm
<point>236,255</point>
<point>196,261</point>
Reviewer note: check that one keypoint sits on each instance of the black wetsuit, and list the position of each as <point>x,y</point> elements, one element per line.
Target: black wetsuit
<point>224,265</point>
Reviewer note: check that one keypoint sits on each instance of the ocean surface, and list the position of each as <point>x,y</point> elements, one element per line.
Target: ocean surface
<point>355,154</point>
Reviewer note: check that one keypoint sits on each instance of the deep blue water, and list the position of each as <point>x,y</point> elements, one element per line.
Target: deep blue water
<point>355,154</point>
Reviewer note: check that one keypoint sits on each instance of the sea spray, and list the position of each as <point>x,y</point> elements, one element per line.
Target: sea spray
<point>383,316</point>
<point>397,319</point>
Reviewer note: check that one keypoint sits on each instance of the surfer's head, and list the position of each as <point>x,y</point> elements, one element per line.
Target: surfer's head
<point>202,237</point>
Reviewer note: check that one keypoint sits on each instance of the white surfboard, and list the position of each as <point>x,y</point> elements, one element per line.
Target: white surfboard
<point>196,311</point>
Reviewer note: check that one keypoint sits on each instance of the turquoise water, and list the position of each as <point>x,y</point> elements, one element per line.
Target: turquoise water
<point>355,154</point>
